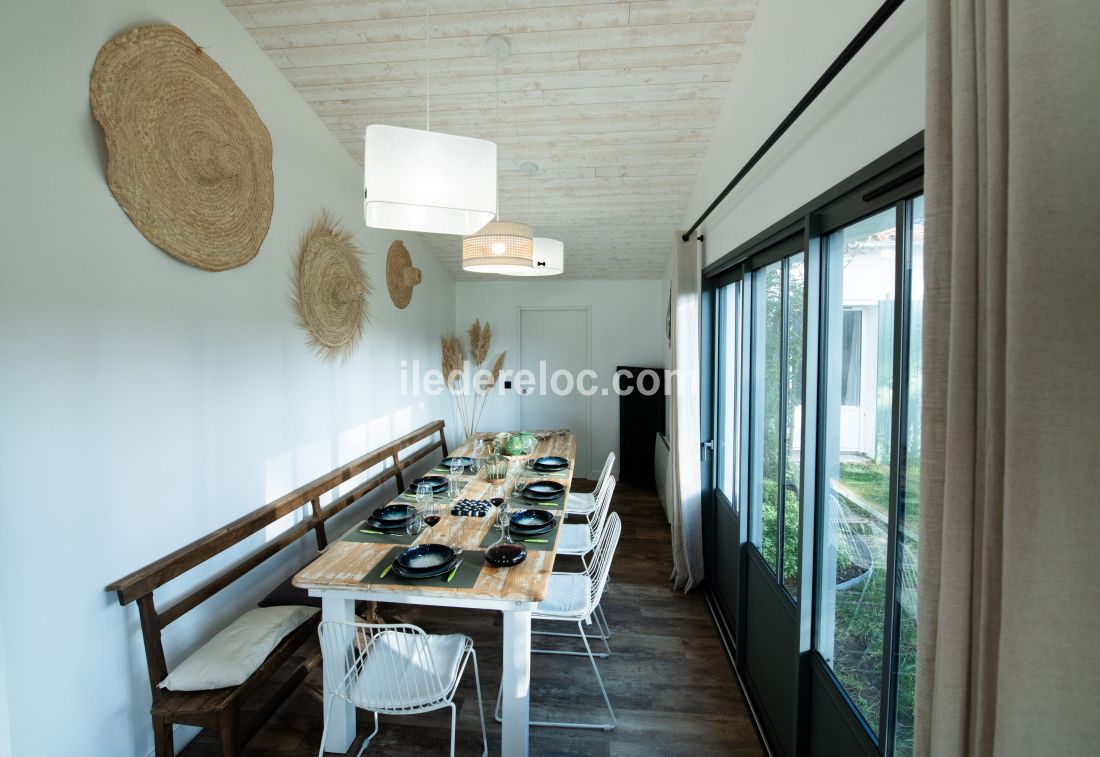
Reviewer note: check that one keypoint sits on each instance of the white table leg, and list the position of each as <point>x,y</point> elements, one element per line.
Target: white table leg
<point>516,683</point>
<point>341,718</point>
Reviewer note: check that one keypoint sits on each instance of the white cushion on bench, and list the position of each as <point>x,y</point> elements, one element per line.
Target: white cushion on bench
<point>238,650</point>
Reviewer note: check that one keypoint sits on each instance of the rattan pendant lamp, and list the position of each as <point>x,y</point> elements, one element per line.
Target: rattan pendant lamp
<point>500,246</point>
<point>428,181</point>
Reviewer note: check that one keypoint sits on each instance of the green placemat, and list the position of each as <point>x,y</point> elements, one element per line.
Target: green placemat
<point>393,537</point>
<point>493,536</point>
<point>464,578</point>
<point>517,501</point>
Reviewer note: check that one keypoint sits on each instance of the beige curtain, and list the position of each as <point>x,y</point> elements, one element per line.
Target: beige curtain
<point>1009,652</point>
<point>685,476</point>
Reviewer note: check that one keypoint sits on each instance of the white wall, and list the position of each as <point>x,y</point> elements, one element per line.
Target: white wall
<point>876,103</point>
<point>5,727</point>
<point>627,329</point>
<point>146,402</point>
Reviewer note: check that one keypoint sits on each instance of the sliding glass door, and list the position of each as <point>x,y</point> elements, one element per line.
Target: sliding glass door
<point>726,536</point>
<point>865,628</point>
<point>817,439</point>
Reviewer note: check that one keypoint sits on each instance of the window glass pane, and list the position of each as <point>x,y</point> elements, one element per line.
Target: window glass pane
<point>769,290</point>
<point>909,506</point>
<point>857,417</point>
<point>792,448</point>
<point>729,394</point>
<point>852,346</point>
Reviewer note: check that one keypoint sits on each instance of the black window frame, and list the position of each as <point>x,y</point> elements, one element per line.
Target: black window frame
<point>893,180</point>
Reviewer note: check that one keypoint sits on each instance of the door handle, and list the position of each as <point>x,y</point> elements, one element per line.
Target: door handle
<point>708,448</point>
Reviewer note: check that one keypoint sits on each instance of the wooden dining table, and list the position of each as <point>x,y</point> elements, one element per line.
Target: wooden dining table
<point>341,576</point>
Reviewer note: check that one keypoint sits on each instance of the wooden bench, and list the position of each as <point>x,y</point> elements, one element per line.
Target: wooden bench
<point>221,708</point>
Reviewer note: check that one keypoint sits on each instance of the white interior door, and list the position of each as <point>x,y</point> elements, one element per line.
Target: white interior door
<point>554,340</point>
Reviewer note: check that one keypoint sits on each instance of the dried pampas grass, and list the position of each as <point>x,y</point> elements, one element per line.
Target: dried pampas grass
<point>470,405</point>
<point>451,350</point>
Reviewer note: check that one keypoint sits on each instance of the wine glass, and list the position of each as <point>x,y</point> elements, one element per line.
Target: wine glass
<point>496,499</point>
<point>479,447</point>
<point>529,444</point>
<point>520,481</point>
<point>504,517</point>
<point>431,515</point>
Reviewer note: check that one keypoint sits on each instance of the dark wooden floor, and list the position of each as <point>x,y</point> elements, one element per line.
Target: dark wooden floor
<point>668,678</point>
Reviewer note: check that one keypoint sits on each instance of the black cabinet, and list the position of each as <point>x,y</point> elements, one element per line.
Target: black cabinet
<point>641,418</point>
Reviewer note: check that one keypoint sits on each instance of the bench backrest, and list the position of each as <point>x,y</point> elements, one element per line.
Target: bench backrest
<point>139,585</point>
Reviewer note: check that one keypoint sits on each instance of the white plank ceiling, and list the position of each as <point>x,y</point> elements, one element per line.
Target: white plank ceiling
<point>614,102</point>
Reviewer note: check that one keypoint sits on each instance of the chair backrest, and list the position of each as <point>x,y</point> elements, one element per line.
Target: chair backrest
<point>380,666</point>
<point>600,567</point>
<point>603,505</point>
<point>602,480</point>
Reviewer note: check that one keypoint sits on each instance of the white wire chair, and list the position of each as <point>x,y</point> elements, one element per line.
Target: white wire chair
<point>573,598</point>
<point>578,540</point>
<point>395,669</point>
<point>584,503</point>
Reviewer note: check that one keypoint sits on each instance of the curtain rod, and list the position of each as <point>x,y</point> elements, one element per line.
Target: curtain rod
<point>873,25</point>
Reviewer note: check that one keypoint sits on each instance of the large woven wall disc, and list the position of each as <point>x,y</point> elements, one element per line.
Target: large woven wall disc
<point>189,160</point>
<point>401,274</point>
<point>330,288</point>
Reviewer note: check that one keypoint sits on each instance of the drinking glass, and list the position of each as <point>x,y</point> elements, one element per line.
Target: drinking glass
<point>415,525</point>
<point>477,454</point>
<point>424,494</point>
<point>453,484</point>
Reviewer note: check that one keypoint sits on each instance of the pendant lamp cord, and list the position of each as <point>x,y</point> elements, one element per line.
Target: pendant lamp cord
<point>428,65</point>
<point>496,116</point>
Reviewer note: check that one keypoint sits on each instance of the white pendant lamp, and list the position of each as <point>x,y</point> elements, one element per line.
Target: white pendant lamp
<point>427,181</point>
<point>549,259</point>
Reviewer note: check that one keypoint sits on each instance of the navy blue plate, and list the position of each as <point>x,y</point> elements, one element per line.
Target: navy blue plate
<point>522,533</point>
<point>551,463</point>
<point>532,518</point>
<point>439,483</point>
<point>393,514</point>
<point>544,490</point>
<point>466,462</point>
<point>421,558</point>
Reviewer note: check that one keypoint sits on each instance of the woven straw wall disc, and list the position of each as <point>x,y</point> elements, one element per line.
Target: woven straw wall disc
<point>401,274</point>
<point>330,288</point>
<point>189,160</point>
